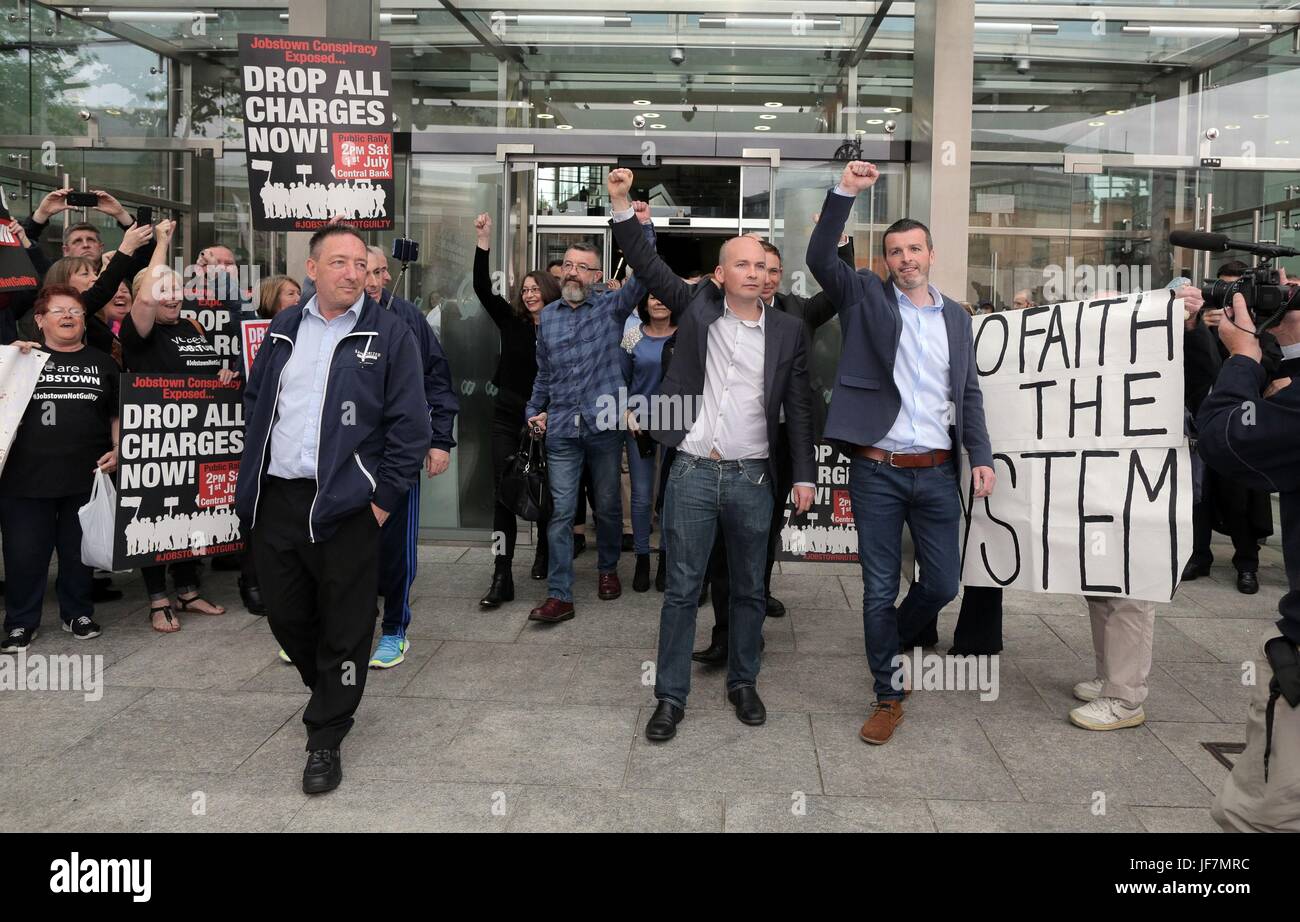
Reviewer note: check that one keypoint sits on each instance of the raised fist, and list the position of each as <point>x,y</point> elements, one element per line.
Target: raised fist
<point>483,230</point>
<point>859,175</point>
<point>619,183</point>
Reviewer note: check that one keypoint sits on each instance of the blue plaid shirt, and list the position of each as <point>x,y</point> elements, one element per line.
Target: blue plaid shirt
<point>578,360</point>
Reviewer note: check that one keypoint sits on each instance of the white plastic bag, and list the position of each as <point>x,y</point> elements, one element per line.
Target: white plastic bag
<point>97,524</point>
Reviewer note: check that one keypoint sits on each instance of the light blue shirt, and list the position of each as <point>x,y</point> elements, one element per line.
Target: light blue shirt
<point>922,377</point>
<point>295,431</point>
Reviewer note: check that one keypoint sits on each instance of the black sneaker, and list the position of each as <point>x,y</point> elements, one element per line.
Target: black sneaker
<point>82,628</point>
<point>17,640</point>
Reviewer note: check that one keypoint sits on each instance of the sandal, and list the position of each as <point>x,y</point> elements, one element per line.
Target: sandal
<point>187,605</point>
<point>169,618</point>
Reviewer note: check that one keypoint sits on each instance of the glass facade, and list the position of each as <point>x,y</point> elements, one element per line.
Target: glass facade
<point>1088,125</point>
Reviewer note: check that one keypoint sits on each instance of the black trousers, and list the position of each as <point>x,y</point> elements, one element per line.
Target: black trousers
<point>320,601</point>
<point>784,483</point>
<point>185,577</point>
<point>506,433</point>
<point>979,625</point>
<point>1244,545</point>
<point>33,529</point>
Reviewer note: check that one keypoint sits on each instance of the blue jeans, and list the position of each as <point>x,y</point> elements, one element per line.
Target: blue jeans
<point>644,473</point>
<point>564,457</point>
<point>884,498</point>
<point>701,495</point>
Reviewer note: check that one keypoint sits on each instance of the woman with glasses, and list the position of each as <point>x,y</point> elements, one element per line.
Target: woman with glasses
<point>517,320</point>
<point>68,431</point>
<point>155,338</point>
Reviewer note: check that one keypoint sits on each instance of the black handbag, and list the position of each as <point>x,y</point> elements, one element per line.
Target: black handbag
<point>525,485</point>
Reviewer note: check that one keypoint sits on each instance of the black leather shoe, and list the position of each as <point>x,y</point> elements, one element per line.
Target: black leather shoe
<point>715,654</point>
<point>251,594</point>
<point>659,573</point>
<point>540,566</point>
<point>662,724</point>
<point>749,707</point>
<point>1194,569</point>
<point>775,609</point>
<point>324,771</point>
<point>641,578</point>
<point>501,590</point>
<point>1247,582</point>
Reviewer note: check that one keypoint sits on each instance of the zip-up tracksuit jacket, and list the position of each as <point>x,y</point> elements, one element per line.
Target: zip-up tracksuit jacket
<point>374,427</point>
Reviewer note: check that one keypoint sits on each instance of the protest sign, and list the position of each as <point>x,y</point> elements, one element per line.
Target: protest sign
<point>318,130</point>
<point>1084,405</point>
<point>181,441</point>
<point>253,331</point>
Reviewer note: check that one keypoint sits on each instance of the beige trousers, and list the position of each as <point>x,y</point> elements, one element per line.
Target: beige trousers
<point>1122,631</point>
<point>1247,803</point>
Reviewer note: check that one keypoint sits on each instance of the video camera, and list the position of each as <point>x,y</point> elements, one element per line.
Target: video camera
<point>1266,297</point>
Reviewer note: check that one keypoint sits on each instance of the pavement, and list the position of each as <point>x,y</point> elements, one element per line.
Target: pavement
<point>496,723</point>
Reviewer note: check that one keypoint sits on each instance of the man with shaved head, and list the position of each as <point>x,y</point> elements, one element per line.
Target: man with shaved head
<point>736,367</point>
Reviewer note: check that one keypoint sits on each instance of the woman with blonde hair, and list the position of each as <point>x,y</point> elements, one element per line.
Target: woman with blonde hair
<point>277,293</point>
<point>156,338</point>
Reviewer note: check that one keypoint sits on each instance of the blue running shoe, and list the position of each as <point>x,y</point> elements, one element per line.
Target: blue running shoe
<point>391,651</point>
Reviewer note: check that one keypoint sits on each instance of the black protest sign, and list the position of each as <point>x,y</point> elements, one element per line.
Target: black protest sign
<point>16,270</point>
<point>318,130</point>
<point>220,318</point>
<point>827,532</point>
<point>181,440</point>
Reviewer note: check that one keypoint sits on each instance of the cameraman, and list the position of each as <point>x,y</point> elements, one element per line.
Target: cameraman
<point>1249,431</point>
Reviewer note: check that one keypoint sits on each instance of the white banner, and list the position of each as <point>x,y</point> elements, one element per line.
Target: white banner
<point>18,376</point>
<point>1084,404</point>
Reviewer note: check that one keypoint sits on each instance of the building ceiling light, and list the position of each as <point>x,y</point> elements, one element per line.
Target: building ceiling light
<point>642,102</point>
<point>658,126</point>
<point>875,121</point>
<point>559,19</point>
<point>1095,124</point>
<point>1017,28</point>
<point>1231,127</point>
<point>545,115</point>
<point>1281,141</point>
<point>651,114</point>
<point>767,118</point>
<point>146,16</point>
<point>762,127</point>
<point>791,24</point>
<point>1260,115</point>
<point>774,105</point>
<point>1114,111</point>
<point>1231,32</point>
<point>564,127</point>
<point>385,19</point>
<point>892,110</point>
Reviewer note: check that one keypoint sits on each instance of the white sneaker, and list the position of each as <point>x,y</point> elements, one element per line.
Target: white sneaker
<point>1089,690</point>
<point>1107,714</point>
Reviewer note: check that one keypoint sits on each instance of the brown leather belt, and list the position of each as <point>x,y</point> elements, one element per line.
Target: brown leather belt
<point>893,459</point>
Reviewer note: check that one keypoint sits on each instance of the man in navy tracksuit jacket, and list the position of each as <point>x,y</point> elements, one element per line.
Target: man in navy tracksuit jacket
<point>397,548</point>
<point>336,427</point>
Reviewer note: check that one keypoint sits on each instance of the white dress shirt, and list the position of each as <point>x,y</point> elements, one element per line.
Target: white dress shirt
<point>732,425</point>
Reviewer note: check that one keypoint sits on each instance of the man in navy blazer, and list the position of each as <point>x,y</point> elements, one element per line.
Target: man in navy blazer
<point>905,399</point>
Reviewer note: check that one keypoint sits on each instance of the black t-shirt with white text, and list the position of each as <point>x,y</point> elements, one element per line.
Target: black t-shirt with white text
<point>175,348</point>
<point>66,429</point>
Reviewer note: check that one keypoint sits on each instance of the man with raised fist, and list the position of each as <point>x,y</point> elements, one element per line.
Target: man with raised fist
<point>906,401</point>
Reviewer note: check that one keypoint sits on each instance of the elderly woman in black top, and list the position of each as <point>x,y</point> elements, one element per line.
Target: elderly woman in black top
<point>69,430</point>
<point>156,338</point>
<point>517,321</point>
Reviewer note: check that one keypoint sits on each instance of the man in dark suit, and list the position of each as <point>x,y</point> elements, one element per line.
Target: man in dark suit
<point>736,367</point>
<point>814,312</point>
<point>905,402</point>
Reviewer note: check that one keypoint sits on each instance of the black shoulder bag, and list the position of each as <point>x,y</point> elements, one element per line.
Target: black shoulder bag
<point>525,486</point>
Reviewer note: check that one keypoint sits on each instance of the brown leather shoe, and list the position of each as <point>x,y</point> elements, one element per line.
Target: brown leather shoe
<point>885,716</point>
<point>552,611</point>
<point>609,587</point>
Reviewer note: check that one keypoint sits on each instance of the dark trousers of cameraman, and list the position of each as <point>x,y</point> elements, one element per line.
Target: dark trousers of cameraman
<point>1245,556</point>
